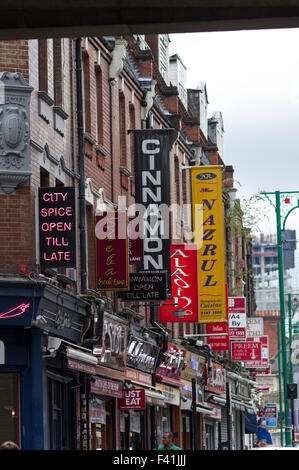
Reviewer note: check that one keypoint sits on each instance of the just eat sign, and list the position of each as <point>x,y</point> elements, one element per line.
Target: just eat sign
<point>133,399</point>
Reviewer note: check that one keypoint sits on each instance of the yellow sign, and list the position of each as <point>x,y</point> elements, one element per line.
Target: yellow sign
<point>209,237</point>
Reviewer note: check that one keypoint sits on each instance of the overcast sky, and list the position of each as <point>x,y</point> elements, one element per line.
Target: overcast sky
<point>252,77</point>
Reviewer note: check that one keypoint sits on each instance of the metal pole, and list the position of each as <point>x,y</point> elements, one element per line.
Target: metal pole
<point>293,421</point>
<point>194,417</point>
<point>290,338</point>
<point>282,321</point>
<point>280,389</point>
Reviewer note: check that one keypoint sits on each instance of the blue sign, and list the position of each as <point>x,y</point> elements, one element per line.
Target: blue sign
<point>206,176</point>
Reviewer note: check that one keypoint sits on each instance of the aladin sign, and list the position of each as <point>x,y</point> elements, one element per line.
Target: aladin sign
<point>209,238</point>
<point>184,305</point>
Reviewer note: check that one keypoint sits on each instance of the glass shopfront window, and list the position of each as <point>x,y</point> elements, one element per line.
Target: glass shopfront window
<point>163,422</point>
<point>9,408</point>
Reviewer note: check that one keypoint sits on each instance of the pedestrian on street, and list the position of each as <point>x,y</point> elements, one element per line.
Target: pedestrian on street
<point>9,445</point>
<point>168,444</point>
<point>263,433</point>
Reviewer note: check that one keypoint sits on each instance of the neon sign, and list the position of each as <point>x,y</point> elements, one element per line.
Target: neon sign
<point>16,311</point>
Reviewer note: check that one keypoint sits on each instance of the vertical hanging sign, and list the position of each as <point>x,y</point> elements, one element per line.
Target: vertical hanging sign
<point>152,198</point>
<point>112,250</point>
<point>57,227</point>
<point>209,237</point>
<point>184,286</point>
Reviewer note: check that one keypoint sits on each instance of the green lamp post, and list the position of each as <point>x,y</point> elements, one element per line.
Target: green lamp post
<point>287,197</point>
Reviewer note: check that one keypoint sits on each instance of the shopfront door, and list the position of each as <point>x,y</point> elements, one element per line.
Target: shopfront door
<point>9,408</point>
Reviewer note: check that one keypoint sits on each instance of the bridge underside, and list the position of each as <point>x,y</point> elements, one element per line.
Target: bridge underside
<point>20,19</point>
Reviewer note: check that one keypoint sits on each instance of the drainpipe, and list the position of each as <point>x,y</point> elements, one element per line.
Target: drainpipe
<point>111,101</point>
<point>81,167</point>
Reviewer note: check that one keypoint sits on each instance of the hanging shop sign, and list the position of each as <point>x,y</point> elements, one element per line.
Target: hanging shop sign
<point>194,367</point>
<point>209,238</point>
<point>146,286</point>
<point>112,251</point>
<point>142,354</point>
<point>216,383</point>
<point>172,394</point>
<point>237,317</point>
<point>113,351</point>
<point>173,362</point>
<point>57,227</point>
<point>184,286</point>
<point>133,399</point>
<point>264,361</point>
<point>105,386</point>
<point>266,382</point>
<point>152,197</point>
<point>246,350</point>
<point>255,327</point>
<point>138,376</point>
<point>271,414</point>
<point>220,333</point>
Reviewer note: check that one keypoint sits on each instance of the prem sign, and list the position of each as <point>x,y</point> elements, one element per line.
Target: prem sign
<point>152,187</point>
<point>209,238</point>
<point>57,227</point>
<point>184,286</point>
<point>246,350</point>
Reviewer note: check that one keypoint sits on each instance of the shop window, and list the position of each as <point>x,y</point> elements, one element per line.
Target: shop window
<point>122,130</point>
<point>60,416</point>
<point>9,408</point>
<point>99,106</point>
<point>57,71</point>
<point>163,422</point>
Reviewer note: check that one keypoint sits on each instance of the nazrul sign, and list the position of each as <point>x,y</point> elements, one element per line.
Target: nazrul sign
<point>14,131</point>
<point>209,238</point>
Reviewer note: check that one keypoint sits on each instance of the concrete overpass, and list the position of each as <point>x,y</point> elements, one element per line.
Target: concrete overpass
<point>75,18</point>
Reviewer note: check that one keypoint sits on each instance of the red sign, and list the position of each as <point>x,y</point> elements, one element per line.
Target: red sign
<point>237,317</point>
<point>134,399</point>
<point>112,251</point>
<point>246,350</point>
<point>183,286</point>
<point>173,362</point>
<point>103,386</point>
<point>219,342</point>
<point>217,382</point>
<point>264,361</point>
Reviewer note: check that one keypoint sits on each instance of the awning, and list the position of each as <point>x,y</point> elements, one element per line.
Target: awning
<point>200,407</point>
<point>216,399</point>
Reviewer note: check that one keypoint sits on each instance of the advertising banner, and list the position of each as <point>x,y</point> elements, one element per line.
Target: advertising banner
<point>209,238</point>
<point>255,327</point>
<point>270,414</point>
<point>57,227</point>
<point>246,350</point>
<point>264,361</point>
<point>237,317</point>
<point>112,250</point>
<point>220,342</point>
<point>266,382</point>
<point>152,198</point>
<point>183,286</point>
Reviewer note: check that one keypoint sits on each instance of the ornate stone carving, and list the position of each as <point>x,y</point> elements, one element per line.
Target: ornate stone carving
<point>14,131</point>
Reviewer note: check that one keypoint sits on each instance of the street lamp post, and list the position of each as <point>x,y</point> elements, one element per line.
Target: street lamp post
<point>280,226</point>
<point>279,379</point>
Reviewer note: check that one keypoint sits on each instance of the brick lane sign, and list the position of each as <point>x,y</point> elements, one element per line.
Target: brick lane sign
<point>246,350</point>
<point>134,399</point>
<point>57,227</point>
